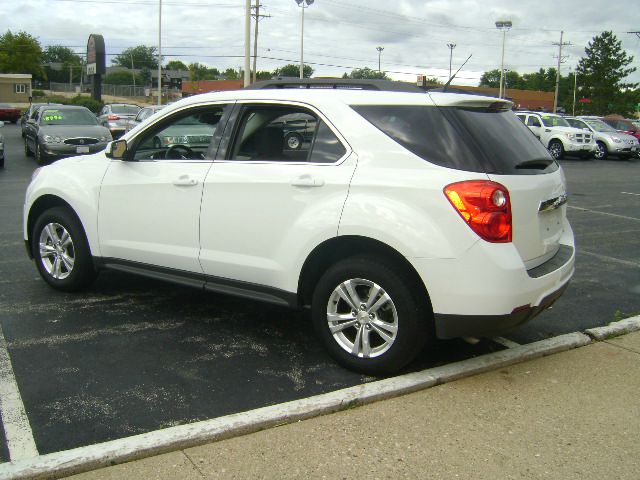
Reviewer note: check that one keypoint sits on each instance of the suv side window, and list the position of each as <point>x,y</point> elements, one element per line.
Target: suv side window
<point>284,134</point>
<point>185,136</point>
<point>533,122</point>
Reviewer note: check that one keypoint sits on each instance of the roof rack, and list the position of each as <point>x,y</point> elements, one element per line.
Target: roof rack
<point>336,83</point>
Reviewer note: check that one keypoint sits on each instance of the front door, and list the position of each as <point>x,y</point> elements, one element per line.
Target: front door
<point>150,202</point>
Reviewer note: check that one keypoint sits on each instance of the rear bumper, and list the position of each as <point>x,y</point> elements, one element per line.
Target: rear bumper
<point>453,326</point>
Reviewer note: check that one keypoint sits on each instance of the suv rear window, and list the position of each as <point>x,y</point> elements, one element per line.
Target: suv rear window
<point>472,139</point>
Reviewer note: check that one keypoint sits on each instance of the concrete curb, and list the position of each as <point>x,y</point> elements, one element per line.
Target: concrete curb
<point>184,436</point>
<point>615,329</point>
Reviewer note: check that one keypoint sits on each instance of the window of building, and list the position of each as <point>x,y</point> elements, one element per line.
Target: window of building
<point>21,88</point>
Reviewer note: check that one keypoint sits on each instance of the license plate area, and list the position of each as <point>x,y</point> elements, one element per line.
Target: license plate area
<point>84,149</point>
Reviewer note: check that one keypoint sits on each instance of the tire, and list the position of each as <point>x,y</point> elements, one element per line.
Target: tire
<point>556,149</point>
<point>601,151</point>
<point>2,162</point>
<point>61,250</point>
<point>293,141</point>
<point>27,150</point>
<point>41,158</point>
<point>403,318</point>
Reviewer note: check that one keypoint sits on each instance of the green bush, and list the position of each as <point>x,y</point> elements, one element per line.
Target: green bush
<point>88,102</point>
<point>37,93</point>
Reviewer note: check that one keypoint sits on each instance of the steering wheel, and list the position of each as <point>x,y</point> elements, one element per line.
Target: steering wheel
<point>179,152</point>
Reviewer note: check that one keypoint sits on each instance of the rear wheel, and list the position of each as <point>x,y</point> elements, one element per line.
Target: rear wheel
<point>369,317</point>
<point>556,149</point>
<point>27,150</point>
<point>601,151</point>
<point>293,141</point>
<point>61,250</point>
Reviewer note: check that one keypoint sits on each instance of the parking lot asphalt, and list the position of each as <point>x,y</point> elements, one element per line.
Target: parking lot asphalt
<point>132,355</point>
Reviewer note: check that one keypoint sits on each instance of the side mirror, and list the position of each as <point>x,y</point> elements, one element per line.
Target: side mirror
<point>117,149</point>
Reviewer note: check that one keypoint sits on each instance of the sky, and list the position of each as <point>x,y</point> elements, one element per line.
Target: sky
<point>340,35</point>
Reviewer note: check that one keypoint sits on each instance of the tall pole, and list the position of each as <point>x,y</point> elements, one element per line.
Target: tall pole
<point>255,42</point>
<point>503,25</point>
<point>160,53</point>
<point>504,37</point>
<point>451,47</point>
<point>133,75</point>
<point>560,45</point>
<point>302,43</point>
<point>379,49</point>
<point>247,43</point>
<point>575,87</point>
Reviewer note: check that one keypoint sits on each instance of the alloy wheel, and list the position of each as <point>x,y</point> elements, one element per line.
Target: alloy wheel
<point>57,251</point>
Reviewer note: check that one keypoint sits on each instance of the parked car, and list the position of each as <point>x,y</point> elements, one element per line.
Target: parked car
<point>63,131</point>
<point>557,135</point>
<point>142,115</point>
<point>115,116</point>
<point>9,113</point>
<point>30,112</point>
<point>1,147</point>
<point>623,125</point>
<point>409,216</point>
<point>608,139</point>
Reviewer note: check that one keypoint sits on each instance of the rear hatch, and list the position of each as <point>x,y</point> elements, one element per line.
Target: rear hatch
<point>482,135</point>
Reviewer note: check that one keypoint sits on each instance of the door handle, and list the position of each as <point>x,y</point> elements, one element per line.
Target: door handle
<point>307,181</point>
<point>185,181</point>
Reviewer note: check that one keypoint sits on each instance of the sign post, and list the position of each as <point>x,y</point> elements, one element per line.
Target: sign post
<point>96,66</point>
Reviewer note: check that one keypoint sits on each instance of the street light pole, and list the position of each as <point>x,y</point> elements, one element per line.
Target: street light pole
<point>451,47</point>
<point>379,49</point>
<point>575,87</point>
<point>503,25</point>
<point>301,4</point>
<point>247,44</point>
<point>160,53</point>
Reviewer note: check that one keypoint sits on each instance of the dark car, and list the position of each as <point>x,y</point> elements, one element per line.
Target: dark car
<point>31,112</point>
<point>115,116</point>
<point>9,113</point>
<point>65,130</point>
<point>1,147</point>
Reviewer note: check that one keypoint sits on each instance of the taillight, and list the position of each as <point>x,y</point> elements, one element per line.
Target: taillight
<point>485,206</point>
<point>113,117</point>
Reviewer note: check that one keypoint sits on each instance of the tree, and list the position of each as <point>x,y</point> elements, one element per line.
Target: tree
<point>601,74</point>
<point>293,70</point>
<point>175,65</point>
<point>61,60</point>
<point>198,71</point>
<point>122,78</point>
<point>142,56</point>
<point>232,74</point>
<point>368,73</point>
<point>20,53</point>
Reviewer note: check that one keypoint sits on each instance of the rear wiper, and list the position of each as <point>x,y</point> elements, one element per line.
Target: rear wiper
<point>537,164</point>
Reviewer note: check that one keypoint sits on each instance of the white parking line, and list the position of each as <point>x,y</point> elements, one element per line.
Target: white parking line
<point>603,213</point>
<point>17,429</point>
<point>505,342</point>
<point>629,193</point>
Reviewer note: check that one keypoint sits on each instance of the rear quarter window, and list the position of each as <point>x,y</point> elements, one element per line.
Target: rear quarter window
<point>481,140</point>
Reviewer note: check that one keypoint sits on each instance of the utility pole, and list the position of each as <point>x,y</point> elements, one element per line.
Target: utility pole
<point>575,87</point>
<point>451,47</point>
<point>257,17</point>
<point>379,49</point>
<point>560,60</point>
<point>247,43</point>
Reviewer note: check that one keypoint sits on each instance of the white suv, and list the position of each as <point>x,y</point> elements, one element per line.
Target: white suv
<point>404,216</point>
<point>557,135</point>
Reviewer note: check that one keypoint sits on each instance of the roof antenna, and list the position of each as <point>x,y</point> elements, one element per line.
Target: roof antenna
<point>446,85</point>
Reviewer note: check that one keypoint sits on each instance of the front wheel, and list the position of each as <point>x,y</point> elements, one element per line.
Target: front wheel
<point>293,141</point>
<point>368,316</point>
<point>27,150</point>
<point>41,158</point>
<point>601,151</point>
<point>556,149</point>
<point>61,250</point>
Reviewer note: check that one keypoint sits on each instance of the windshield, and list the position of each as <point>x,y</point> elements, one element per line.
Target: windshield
<point>68,117</point>
<point>554,121</point>
<point>599,126</point>
<point>125,109</point>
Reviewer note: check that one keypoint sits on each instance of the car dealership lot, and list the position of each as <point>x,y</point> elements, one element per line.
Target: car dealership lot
<point>132,355</point>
